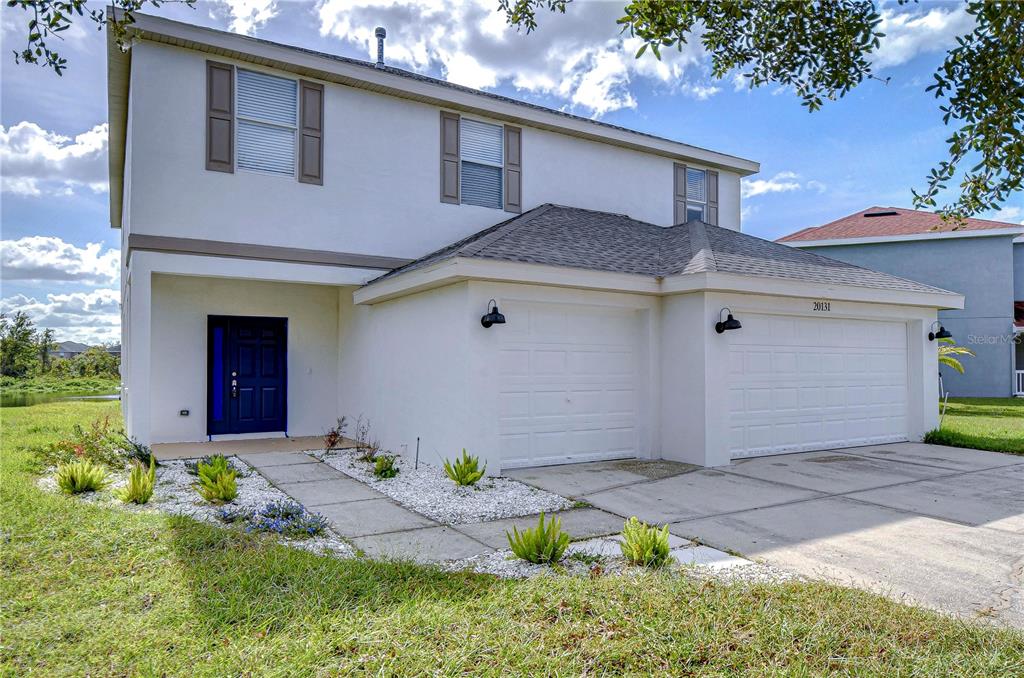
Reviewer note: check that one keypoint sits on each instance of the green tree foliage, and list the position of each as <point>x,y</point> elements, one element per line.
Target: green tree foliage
<point>49,18</point>
<point>27,352</point>
<point>19,355</point>
<point>822,50</point>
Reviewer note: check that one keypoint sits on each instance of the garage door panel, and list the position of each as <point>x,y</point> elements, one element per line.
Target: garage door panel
<point>813,383</point>
<point>574,397</point>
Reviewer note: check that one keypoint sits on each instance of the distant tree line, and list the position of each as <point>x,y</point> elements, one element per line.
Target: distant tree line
<point>27,352</point>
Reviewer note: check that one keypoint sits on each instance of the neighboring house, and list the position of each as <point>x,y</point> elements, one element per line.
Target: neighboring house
<point>113,349</point>
<point>69,349</point>
<point>306,236</point>
<point>981,259</point>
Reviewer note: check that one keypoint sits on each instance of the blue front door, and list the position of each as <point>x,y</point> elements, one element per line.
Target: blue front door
<point>248,377</point>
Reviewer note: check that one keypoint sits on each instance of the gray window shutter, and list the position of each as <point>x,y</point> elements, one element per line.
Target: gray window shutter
<point>449,157</point>
<point>220,117</point>
<point>712,197</point>
<point>513,169</point>
<point>311,133</point>
<point>678,193</point>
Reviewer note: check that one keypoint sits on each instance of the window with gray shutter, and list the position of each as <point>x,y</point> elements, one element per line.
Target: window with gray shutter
<point>696,195</point>
<point>267,123</point>
<point>481,155</point>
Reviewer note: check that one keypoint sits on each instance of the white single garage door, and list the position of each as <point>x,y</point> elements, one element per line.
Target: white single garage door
<point>568,388</point>
<point>798,384</point>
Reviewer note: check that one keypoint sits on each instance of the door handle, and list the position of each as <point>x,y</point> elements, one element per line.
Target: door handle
<point>234,388</point>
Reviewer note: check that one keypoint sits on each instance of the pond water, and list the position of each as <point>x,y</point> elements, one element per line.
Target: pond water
<point>26,399</point>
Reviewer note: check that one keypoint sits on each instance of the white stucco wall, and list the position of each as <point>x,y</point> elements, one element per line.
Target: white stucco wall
<point>180,306</point>
<point>381,165</point>
<point>405,366</point>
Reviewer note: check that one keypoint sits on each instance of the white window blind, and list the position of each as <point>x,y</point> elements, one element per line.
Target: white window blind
<point>481,150</point>
<point>267,120</point>
<point>696,194</point>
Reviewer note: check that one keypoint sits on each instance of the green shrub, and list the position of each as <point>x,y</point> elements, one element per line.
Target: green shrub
<point>464,470</point>
<point>384,467</point>
<point>81,476</point>
<point>217,480</point>
<point>644,544</point>
<point>100,444</point>
<point>545,543</point>
<point>140,483</point>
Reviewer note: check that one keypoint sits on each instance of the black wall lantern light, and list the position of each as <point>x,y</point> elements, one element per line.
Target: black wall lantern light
<point>943,333</point>
<point>493,315</point>
<point>729,323</point>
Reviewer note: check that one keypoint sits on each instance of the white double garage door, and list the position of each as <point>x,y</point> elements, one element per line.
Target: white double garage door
<point>573,385</point>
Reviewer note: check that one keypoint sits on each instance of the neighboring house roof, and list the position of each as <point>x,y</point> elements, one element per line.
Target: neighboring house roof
<point>365,75</point>
<point>567,236</point>
<point>890,222</point>
<point>71,347</point>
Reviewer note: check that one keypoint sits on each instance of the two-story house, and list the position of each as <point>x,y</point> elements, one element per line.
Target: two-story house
<point>980,258</point>
<point>306,235</point>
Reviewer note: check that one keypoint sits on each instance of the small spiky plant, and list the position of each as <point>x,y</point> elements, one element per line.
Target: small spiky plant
<point>140,485</point>
<point>81,476</point>
<point>465,470</point>
<point>217,481</point>
<point>545,543</point>
<point>644,544</point>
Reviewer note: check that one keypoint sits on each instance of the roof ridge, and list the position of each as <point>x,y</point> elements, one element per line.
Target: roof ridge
<point>473,248</point>
<point>701,244</point>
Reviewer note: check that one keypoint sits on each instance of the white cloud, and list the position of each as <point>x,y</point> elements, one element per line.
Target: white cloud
<point>39,162</point>
<point>580,57</point>
<point>910,33</point>
<point>249,15</point>
<point>50,258</point>
<point>1009,214</point>
<point>782,182</point>
<point>90,317</point>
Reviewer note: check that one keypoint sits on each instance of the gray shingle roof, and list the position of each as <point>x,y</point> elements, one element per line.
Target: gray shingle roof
<point>554,235</point>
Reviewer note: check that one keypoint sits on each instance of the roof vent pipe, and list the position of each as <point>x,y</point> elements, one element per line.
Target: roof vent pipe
<point>380,34</point>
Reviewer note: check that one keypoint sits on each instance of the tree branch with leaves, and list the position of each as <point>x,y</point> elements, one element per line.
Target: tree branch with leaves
<point>49,18</point>
<point>823,51</point>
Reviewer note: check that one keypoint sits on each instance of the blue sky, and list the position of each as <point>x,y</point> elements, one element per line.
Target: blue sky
<point>870,148</point>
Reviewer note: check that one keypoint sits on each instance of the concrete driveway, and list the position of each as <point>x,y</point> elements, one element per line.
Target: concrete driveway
<point>935,526</point>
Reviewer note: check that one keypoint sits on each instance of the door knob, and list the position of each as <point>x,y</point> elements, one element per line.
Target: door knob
<point>234,388</point>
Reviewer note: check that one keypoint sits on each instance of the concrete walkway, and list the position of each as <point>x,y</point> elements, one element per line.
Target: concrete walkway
<point>936,526</point>
<point>381,528</point>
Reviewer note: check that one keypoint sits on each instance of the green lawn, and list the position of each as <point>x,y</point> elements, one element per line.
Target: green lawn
<point>995,424</point>
<point>76,385</point>
<point>100,591</point>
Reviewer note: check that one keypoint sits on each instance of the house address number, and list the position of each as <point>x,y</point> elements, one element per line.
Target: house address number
<point>823,306</point>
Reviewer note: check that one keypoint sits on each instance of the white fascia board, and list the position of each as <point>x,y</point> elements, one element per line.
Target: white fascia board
<point>247,269</point>
<point>943,235</point>
<point>781,287</point>
<point>458,269</point>
<point>365,76</point>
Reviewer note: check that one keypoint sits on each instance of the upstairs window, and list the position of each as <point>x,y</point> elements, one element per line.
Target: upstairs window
<point>696,195</point>
<point>267,113</point>
<point>482,159</point>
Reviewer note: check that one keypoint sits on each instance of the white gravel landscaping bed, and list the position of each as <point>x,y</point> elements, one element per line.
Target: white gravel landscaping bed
<point>582,559</point>
<point>427,490</point>
<point>174,494</point>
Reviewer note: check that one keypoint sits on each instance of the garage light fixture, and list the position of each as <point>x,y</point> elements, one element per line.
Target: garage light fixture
<point>943,333</point>
<point>493,315</point>
<point>729,323</point>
